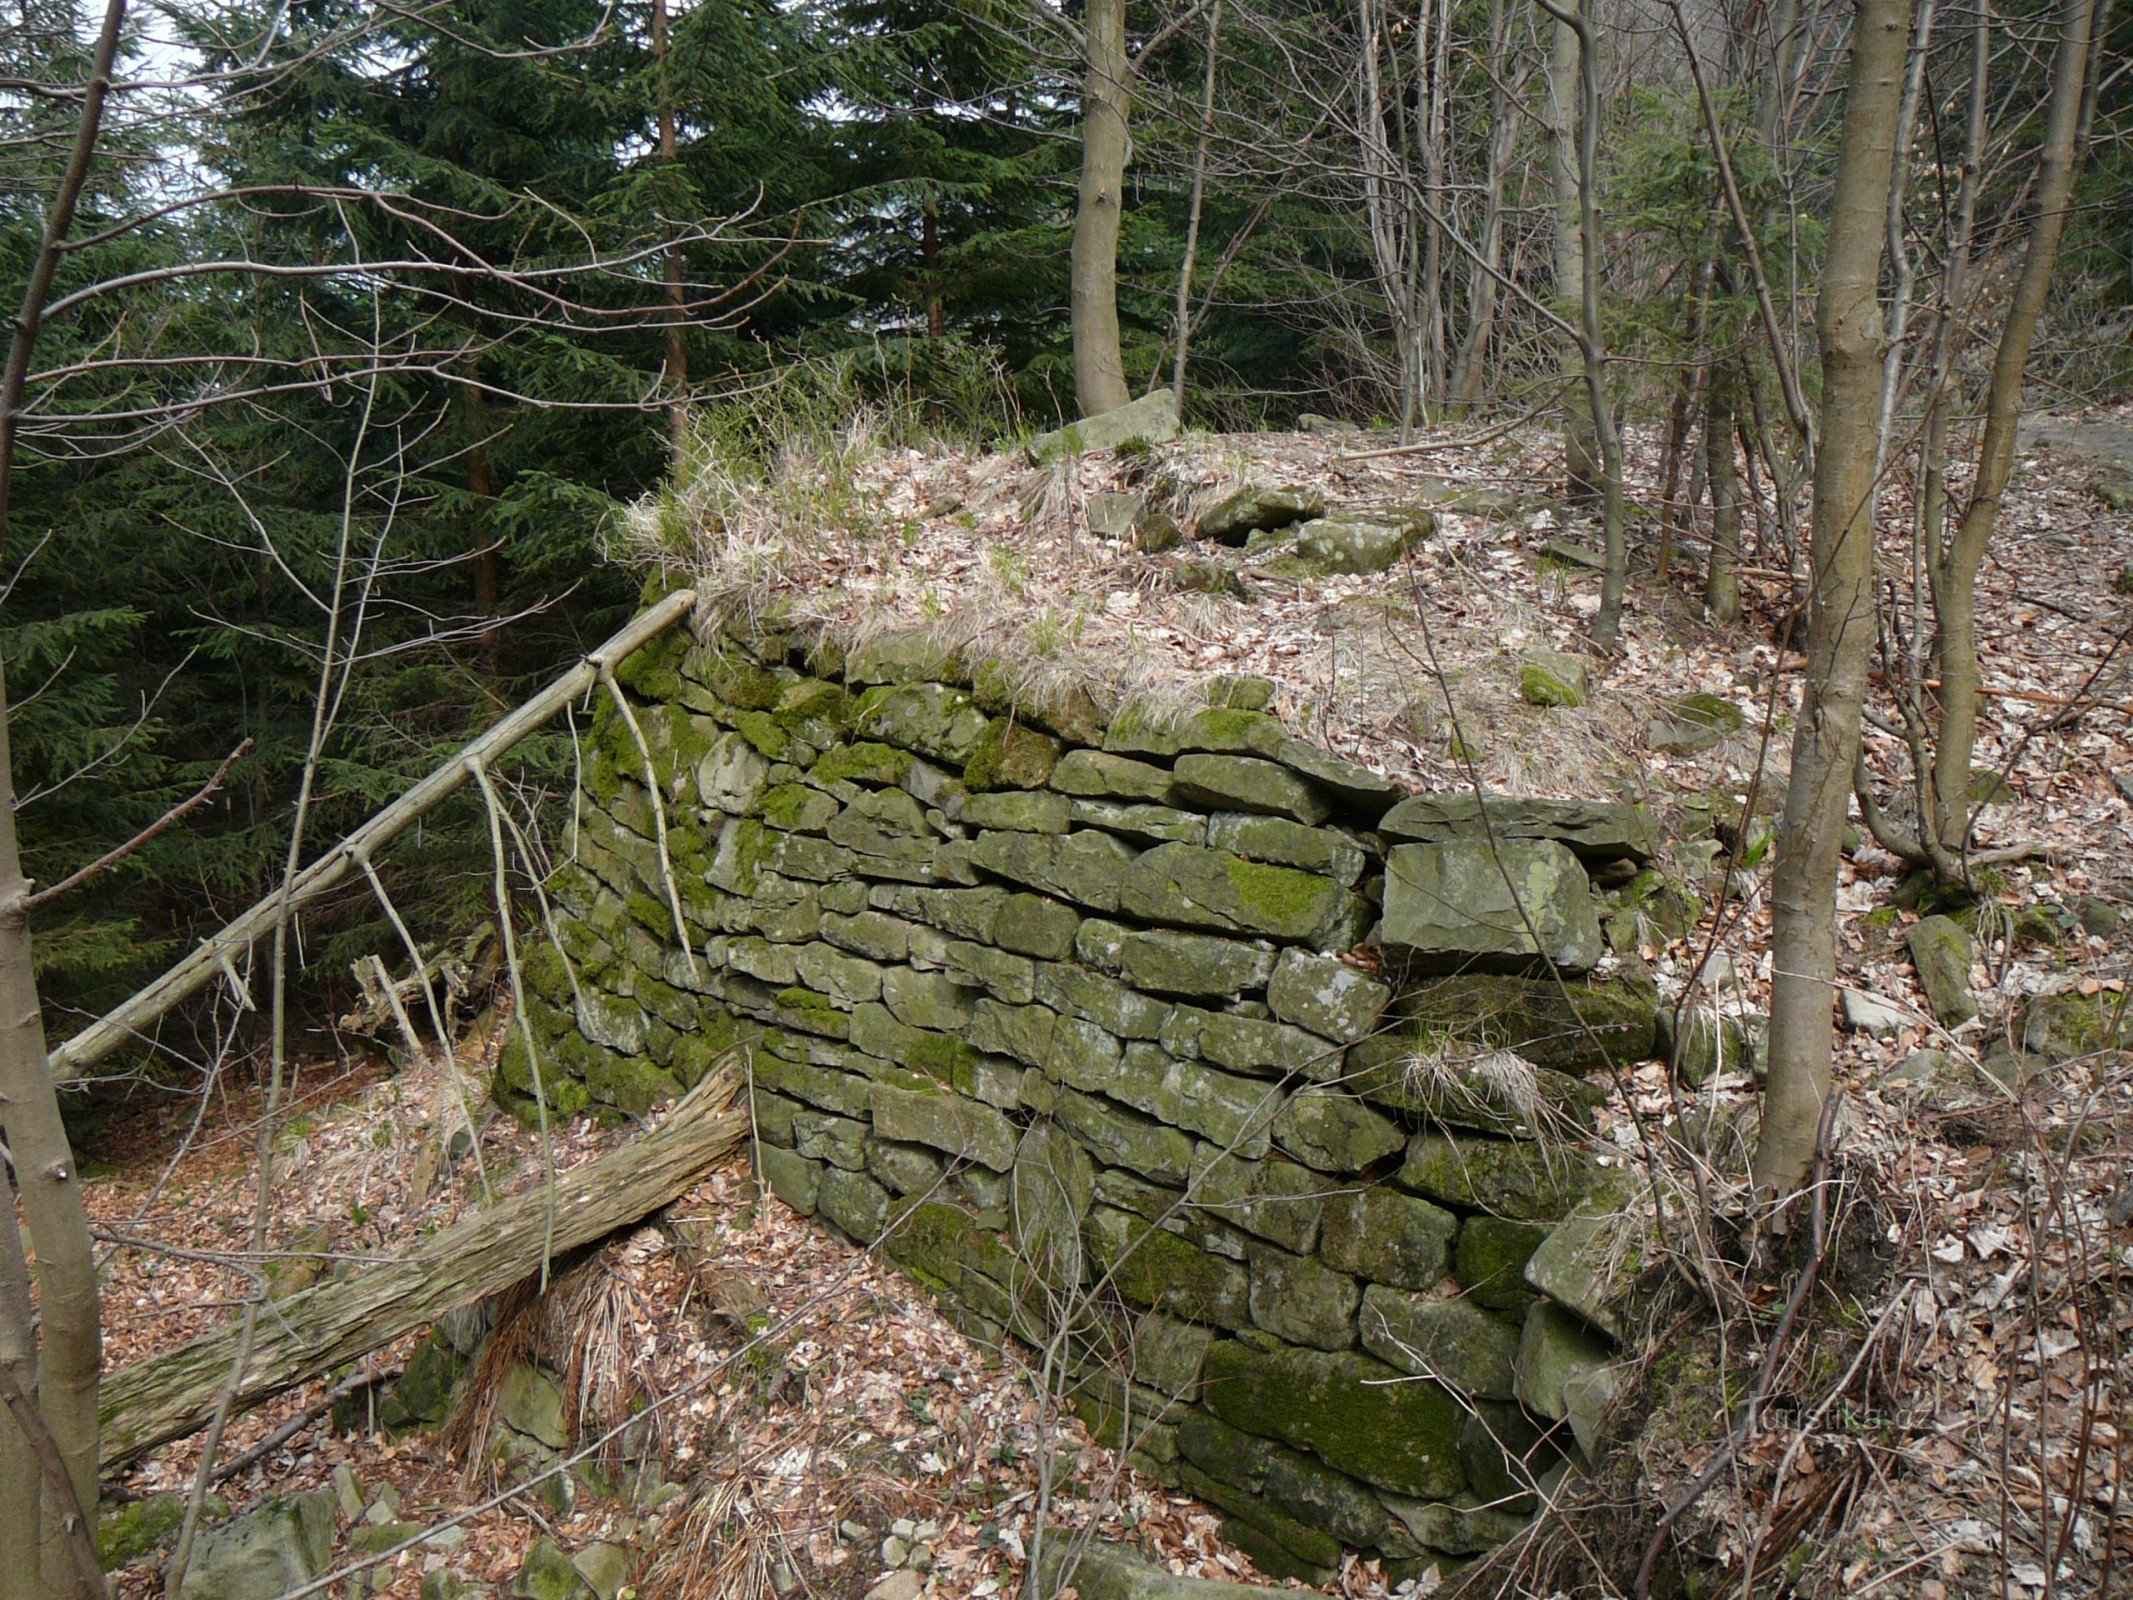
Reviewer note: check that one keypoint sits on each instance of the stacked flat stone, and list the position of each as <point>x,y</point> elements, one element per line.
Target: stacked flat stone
<point>1045,999</point>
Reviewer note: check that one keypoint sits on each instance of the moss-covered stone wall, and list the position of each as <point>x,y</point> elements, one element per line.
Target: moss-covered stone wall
<point>1212,1060</point>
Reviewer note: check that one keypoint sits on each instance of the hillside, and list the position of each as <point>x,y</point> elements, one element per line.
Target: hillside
<point>821,1417</point>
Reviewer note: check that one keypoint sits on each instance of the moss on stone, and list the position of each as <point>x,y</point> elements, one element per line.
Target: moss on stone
<point>1155,1268</point>
<point>1357,1414</point>
<point>1010,755</point>
<point>796,808</point>
<point>763,731</point>
<point>864,762</point>
<point>652,670</point>
<point>652,915</point>
<point>940,1056</point>
<point>1232,729</point>
<point>812,1013</point>
<point>125,1532</point>
<point>1491,1260</point>
<point>1275,895</point>
<point>735,679</point>
<point>932,1241</point>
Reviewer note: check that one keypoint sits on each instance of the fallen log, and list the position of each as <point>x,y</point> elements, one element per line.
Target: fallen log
<point>312,1333</point>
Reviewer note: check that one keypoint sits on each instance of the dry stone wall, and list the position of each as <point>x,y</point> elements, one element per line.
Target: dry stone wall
<point>1245,1079</point>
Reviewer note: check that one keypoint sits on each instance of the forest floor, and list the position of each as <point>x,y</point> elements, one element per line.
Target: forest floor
<point>1983,1452</point>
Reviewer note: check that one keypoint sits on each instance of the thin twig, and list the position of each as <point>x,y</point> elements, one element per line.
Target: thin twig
<point>303,1419</point>
<point>118,853</point>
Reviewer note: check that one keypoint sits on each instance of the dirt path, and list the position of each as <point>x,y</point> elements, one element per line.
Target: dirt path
<point>2101,435</point>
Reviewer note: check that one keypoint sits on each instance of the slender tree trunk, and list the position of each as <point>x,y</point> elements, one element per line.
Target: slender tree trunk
<point>1469,367</point>
<point>1930,528</point>
<point>21,1477</point>
<point>1840,618</point>
<point>1721,582</point>
<point>69,1341</point>
<point>488,581</point>
<point>1592,336</point>
<point>1432,66</point>
<point>69,1345</point>
<point>1905,271</point>
<point>1581,448</point>
<point>1099,368</point>
<point>1201,146</point>
<point>677,361</point>
<point>929,249</point>
<point>1687,402</point>
<point>1954,575</point>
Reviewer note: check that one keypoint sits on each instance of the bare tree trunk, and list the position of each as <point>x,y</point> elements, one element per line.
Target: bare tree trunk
<point>1606,433</point>
<point>21,1477</point>
<point>1721,581</point>
<point>1099,368</point>
<point>677,361</point>
<point>1955,286</point>
<point>1840,617</point>
<point>68,1345</point>
<point>1470,366</point>
<point>1580,447</point>
<point>1192,219</point>
<point>1432,67</point>
<point>929,250</point>
<point>481,488</point>
<point>1905,272</point>
<point>1954,575</point>
<point>1388,202</point>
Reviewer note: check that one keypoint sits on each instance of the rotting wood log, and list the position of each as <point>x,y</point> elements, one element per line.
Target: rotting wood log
<point>312,1333</point>
<point>219,954</point>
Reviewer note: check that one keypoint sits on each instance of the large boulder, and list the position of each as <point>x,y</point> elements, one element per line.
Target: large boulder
<point>1453,1341</point>
<point>548,1574</point>
<point>1553,678</point>
<point>1489,1091</point>
<point>1152,419</point>
<point>1329,997</point>
<point>1194,887</point>
<point>1497,1177</point>
<point>1379,1233</point>
<point>2059,1027</point>
<point>1566,1372</point>
<point>127,1532</point>
<point>1693,723</point>
<point>1249,510</point>
<point>1050,1190</point>
<point>268,1551</point>
<point>1097,1569</point>
<point>1511,905</point>
<point>1592,1261</point>
<point>1363,542</point>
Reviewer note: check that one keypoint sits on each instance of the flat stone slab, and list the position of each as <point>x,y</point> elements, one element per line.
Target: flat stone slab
<point>1153,417</point>
<point>1942,951</point>
<point>1101,1570</point>
<point>1596,830</point>
<point>1508,905</point>
<point>1873,1016</point>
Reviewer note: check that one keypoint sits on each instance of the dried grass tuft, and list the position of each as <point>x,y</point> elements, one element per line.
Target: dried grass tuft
<point>724,1546</point>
